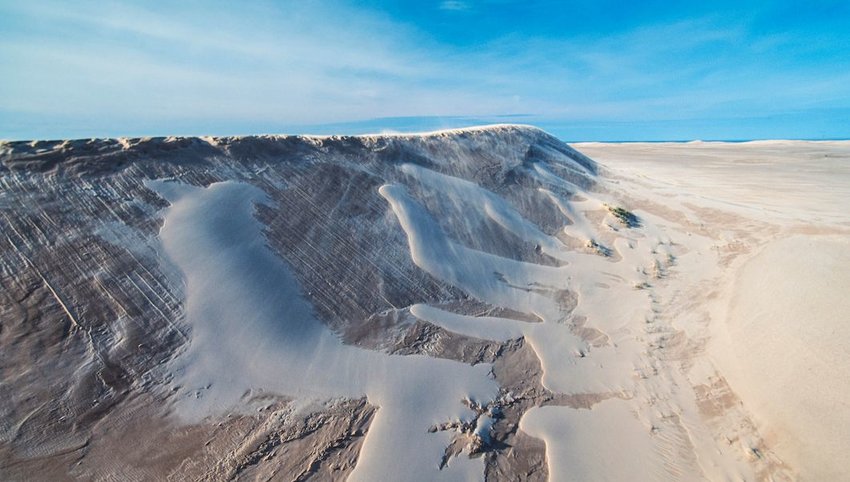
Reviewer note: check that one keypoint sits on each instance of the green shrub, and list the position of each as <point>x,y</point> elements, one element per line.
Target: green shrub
<point>625,216</point>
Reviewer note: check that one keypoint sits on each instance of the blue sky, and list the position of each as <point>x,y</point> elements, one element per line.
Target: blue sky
<point>584,70</point>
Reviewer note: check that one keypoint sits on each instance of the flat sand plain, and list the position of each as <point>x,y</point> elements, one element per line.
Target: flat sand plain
<point>772,305</point>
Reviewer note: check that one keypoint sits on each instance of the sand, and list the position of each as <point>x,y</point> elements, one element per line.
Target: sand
<point>617,309</point>
<point>253,331</point>
<point>772,307</point>
<point>785,346</point>
<point>579,448</point>
<point>482,301</point>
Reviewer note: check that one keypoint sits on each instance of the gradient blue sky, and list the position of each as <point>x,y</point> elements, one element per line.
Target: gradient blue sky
<point>584,70</point>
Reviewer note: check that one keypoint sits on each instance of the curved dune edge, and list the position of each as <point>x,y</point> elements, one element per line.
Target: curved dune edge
<point>771,213</point>
<point>784,349</point>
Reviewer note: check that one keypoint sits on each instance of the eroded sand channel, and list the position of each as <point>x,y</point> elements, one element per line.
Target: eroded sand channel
<point>252,330</point>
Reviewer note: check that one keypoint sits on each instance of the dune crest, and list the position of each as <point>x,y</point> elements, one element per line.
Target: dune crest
<point>474,304</point>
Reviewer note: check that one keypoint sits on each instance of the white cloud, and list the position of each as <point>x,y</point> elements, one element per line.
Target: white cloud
<point>326,62</point>
<point>454,5</point>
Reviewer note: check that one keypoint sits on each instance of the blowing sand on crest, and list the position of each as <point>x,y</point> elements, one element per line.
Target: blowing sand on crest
<point>484,304</point>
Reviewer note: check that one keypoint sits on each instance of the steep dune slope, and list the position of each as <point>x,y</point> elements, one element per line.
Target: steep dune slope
<point>475,304</point>
<point>157,299</point>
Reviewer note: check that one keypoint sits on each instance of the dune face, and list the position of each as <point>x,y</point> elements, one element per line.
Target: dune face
<point>788,337</point>
<point>477,304</point>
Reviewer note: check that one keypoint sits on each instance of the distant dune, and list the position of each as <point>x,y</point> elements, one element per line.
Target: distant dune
<point>485,303</point>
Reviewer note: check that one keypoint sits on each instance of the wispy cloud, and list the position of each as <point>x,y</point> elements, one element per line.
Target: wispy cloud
<point>454,5</point>
<point>136,65</point>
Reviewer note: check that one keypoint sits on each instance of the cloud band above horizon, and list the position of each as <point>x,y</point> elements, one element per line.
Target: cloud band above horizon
<point>84,68</point>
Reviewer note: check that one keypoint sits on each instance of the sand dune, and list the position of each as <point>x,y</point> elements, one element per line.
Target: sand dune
<point>477,304</point>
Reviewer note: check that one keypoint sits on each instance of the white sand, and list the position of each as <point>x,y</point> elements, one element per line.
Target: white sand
<point>686,305</point>
<point>771,299</point>
<point>504,282</point>
<point>607,298</point>
<point>788,181</point>
<point>785,346</point>
<point>252,330</point>
<point>579,443</point>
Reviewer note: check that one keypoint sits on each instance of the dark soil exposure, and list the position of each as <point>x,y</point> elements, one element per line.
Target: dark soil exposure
<point>90,313</point>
